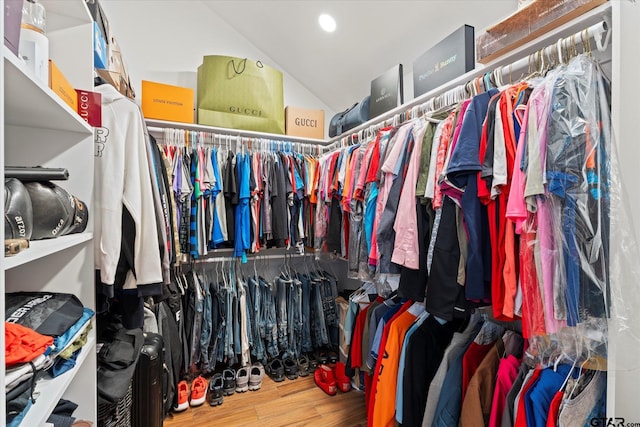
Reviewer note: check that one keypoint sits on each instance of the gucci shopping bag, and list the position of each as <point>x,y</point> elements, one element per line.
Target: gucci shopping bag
<point>240,93</point>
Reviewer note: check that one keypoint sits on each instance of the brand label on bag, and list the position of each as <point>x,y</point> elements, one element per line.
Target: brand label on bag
<point>90,107</point>
<point>450,58</point>
<point>26,308</point>
<point>245,111</point>
<point>304,123</point>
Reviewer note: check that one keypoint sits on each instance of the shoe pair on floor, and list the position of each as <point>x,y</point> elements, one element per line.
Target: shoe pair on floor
<point>291,368</point>
<point>331,379</point>
<point>194,397</point>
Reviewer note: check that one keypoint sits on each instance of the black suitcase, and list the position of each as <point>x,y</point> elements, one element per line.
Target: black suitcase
<point>147,405</point>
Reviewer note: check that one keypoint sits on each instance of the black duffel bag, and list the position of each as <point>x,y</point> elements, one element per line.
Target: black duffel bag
<point>349,118</point>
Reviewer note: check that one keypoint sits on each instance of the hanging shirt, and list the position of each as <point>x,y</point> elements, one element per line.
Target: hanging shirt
<point>462,172</point>
<point>242,241</point>
<point>406,247</point>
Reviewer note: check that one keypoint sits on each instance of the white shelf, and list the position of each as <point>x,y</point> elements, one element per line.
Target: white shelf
<point>42,248</point>
<point>50,390</point>
<point>64,15</point>
<point>30,103</point>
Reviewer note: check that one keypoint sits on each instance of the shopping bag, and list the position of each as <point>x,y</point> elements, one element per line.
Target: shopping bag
<point>240,93</point>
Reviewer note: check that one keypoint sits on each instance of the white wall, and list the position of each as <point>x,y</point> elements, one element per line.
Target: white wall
<point>164,41</point>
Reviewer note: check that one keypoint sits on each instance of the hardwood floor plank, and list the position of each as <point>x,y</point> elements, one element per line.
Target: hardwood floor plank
<point>289,403</point>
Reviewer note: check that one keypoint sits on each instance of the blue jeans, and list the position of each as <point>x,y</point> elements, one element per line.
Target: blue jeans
<point>216,327</point>
<point>270,318</point>
<point>318,326</point>
<point>205,336</point>
<point>294,317</point>
<point>281,301</point>
<point>257,350</point>
<point>306,345</point>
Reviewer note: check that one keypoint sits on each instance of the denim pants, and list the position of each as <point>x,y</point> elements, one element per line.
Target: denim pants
<point>257,350</point>
<point>228,334</point>
<point>281,301</point>
<point>318,324</point>
<point>196,331</point>
<point>294,317</point>
<point>216,327</point>
<point>207,327</point>
<point>222,325</point>
<point>306,345</point>
<point>332,319</point>
<point>270,318</point>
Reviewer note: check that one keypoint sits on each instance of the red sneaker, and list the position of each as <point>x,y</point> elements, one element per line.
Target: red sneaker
<point>342,380</point>
<point>323,377</point>
<point>198,391</point>
<point>183,397</point>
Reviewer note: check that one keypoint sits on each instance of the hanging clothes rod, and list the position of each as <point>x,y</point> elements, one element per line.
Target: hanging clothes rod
<point>252,257</point>
<point>177,135</point>
<point>456,89</point>
<point>158,126</point>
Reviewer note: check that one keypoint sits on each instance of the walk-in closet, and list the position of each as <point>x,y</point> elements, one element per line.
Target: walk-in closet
<point>355,213</point>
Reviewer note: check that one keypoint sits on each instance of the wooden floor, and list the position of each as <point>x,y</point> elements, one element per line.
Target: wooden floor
<point>289,403</point>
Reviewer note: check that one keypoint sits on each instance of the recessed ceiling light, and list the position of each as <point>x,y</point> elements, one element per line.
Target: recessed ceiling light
<point>327,23</point>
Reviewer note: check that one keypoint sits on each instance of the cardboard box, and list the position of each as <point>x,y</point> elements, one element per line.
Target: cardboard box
<point>166,102</point>
<point>12,20</point>
<point>90,107</point>
<point>100,53</point>
<point>61,86</point>
<point>450,58</point>
<point>528,23</point>
<point>304,123</point>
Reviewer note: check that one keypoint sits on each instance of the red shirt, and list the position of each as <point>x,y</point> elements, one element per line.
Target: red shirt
<point>470,362</point>
<point>521,417</point>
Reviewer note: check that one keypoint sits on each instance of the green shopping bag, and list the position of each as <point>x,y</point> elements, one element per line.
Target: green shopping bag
<point>240,93</point>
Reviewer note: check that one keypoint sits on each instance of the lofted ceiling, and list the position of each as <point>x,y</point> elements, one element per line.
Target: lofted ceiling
<point>371,37</point>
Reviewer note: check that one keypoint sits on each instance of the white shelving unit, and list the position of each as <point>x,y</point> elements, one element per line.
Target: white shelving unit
<point>39,129</point>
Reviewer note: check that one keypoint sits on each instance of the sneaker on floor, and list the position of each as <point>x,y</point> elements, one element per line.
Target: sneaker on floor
<point>275,370</point>
<point>242,380</point>
<point>313,362</point>
<point>215,393</point>
<point>255,376</point>
<point>229,381</point>
<point>198,391</point>
<point>290,368</point>
<point>183,397</point>
<point>323,377</point>
<point>342,380</point>
<point>303,365</point>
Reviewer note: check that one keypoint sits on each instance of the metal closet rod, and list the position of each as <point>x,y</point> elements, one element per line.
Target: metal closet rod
<point>254,257</point>
<point>158,126</point>
<point>456,86</point>
<point>261,141</point>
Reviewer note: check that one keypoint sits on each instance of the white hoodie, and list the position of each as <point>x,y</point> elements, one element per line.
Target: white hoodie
<point>122,178</point>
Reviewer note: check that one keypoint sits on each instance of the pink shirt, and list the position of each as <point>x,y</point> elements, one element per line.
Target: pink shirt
<point>383,193</point>
<point>406,248</point>
<point>507,373</point>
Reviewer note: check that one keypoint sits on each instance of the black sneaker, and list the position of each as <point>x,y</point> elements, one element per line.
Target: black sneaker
<point>229,382</point>
<point>275,370</point>
<point>303,365</point>
<point>313,361</point>
<point>290,368</point>
<point>214,392</point>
